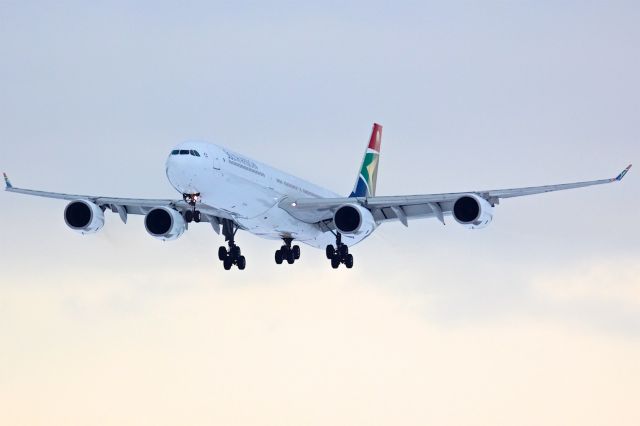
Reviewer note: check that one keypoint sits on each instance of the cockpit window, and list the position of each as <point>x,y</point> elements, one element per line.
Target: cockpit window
<point>185,152</point>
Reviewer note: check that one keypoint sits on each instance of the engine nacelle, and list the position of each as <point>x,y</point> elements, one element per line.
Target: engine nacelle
<point>84,216</point>
<point>164,223</point>
<point>353,219</point>
<point>472,211</point>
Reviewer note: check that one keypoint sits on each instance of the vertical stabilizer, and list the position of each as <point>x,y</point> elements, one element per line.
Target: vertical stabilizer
<point>366,181</point>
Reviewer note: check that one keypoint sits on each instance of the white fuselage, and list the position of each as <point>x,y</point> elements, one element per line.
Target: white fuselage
<point>249,191</point>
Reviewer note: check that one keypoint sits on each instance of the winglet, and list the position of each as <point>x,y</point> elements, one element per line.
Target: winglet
<point>618,178</point>
<point>7,182</point>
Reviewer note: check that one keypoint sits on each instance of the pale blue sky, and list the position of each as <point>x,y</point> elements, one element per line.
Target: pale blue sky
<point>472,95</point>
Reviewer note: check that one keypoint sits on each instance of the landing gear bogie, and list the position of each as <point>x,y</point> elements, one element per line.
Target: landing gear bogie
<point>287,252</point>
<point>232,255</point>
<point>339,254</point>
<point>193,214</point>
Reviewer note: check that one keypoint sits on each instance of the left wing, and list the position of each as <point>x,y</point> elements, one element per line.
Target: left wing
<point>404,207</point>
<point>127,206</point>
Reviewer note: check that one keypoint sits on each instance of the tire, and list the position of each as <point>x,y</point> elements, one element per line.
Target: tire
<point>197,217</point>
<point>335,262</point>
<point>279,258</point>
<point>348,261</point>
<point>235,252</point>
<point>330,252</point>
<point>343,250</point>
<point>227,263</point>
<point>296,252</point>
<point>242,262</point>
<point>222,253</point>
<point>290,257</point>
<point>188,216</point>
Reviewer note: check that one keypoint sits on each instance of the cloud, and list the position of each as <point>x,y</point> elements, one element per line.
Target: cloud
<point>333,349</point>
<point>613,282</point>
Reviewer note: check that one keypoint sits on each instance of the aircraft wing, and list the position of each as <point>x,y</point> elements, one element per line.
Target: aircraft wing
<point>127,206</point>
<point>404,207</point>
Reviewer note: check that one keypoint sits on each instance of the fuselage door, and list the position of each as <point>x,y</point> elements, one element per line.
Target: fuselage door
<point>216,163</point>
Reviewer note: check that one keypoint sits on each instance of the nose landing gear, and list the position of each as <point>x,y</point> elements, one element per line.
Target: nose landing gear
<point>232,255</point>
<point>339,254</point>
<point>287,252</point>
<point>192,215</point>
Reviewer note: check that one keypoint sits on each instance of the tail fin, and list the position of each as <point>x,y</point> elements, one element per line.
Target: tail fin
<point>366,182</point>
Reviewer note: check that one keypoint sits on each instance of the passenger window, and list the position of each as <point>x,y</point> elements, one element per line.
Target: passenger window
<point>175,152</point>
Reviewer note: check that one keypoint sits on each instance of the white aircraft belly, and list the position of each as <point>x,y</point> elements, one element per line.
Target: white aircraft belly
<point>276,223</point>
<point>240,197</point>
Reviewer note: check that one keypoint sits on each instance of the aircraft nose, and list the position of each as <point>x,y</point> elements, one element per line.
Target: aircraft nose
<point>180,172</point>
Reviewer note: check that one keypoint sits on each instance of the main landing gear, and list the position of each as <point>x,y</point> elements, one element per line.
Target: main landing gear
<point>192,215</point>
<point>232,255</point>
<point>339,254</point>
<point>287,252</point>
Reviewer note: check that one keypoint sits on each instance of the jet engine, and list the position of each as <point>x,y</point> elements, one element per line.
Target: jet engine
<point>353,219</point>
<point>472,211</point>
<point>84,216</point>
<point>164,223</point>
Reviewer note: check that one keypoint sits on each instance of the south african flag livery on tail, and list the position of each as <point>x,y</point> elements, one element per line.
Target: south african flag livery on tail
<point>366,183</point>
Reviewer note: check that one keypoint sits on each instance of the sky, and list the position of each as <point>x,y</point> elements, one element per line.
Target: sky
<point>533,320</point>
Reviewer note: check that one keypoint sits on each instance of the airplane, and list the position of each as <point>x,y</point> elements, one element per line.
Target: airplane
<point>233,192</point>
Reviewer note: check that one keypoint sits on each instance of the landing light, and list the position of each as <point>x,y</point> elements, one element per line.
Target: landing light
<point>293,204</point>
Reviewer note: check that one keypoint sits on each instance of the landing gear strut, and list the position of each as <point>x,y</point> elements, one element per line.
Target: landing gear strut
<point>232,255</point>
<point>287,252</point>
<point>339,254</point>
<point>192,215</point>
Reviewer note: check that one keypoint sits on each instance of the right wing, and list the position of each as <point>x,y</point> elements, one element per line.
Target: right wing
<point>127,206</point>
<point>404,207</point>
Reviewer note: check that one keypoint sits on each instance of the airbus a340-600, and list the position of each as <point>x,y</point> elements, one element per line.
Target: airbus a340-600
<point>231,191</point>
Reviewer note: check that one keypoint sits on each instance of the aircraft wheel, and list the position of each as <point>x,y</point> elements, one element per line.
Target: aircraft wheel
<point>279,257</point>
<point>235,252</point>
<point>296,252</point>
<point>227,263</point>
<point>330,252</point>
<point>290,257</point>
<point>348,261</point>
<point>335,262</point>
<point>222,253</point>
<point>197,217</point>
<point>188,216</point>
<point>242,262</point>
